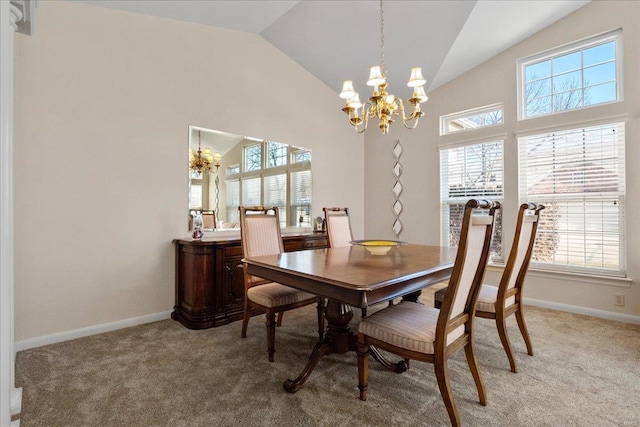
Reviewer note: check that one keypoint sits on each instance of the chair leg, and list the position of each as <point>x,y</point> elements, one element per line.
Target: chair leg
<point>363,366</point>
<point>523,329</point>
<point>501,323</point>
<point>245,318</point>
<point>442,375</point>
<point>363,312</point>
<point>472,360</point>
<point>320,309</point>
<point>280,315</point>
<point>271,334</point>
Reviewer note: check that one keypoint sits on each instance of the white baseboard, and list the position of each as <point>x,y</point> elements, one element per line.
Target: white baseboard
<point>90,330</point>
<point>15,423</point>
<point>626,318</point>
<point>16,401</point>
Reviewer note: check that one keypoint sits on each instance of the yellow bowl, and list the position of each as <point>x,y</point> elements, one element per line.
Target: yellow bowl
<point>378,247</point>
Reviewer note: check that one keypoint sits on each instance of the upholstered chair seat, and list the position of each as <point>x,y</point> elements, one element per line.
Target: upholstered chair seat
<point>274,294</point>
<point>488,297</point>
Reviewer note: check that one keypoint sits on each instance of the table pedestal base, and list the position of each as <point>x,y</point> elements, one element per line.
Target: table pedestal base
<point>338,339</point>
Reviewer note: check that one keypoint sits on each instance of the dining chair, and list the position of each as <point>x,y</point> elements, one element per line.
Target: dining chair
<point>209,220</point>
<point>339,233</point>
<point>260,234</point>
<point>502,301</point>
<point>338,227</point>
<point>419,332</point>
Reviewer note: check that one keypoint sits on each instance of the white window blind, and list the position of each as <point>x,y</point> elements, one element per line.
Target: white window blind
<point>275,194</point>
<point>195,196</point>
<point>252,192</point>
<point>233,200</point>
<point>579,176</point>
<point>472,171</point>
<point>301,197</point>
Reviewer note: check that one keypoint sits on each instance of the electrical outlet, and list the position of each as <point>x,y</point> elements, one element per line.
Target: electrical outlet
<point>619,300</point>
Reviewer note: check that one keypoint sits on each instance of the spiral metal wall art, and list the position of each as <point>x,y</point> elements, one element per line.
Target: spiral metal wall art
<point>397,189</point>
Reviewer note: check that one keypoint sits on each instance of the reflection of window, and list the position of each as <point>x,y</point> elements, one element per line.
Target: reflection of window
<point>233,200</point>
<point>275,194</point>
<point>579,176</point>
<point>472,119</point>
<point>253,157</point>
<point>300,156</point>
<point>233,170</point>
<point>570,77</point>
<point>472,171</point>
<point>195,174</point>
<point>282,178</point>
<point>276,154</point>
<point>301,197</point>
<point>251,192</point>
<point>195,196</point>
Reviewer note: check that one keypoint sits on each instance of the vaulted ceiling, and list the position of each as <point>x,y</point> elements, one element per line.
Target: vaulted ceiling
<point>340,40</point>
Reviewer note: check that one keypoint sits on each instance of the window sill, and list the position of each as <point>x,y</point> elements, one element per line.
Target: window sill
<point>622,282</point>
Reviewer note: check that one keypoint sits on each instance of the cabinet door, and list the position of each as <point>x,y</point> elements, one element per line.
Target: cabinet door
<point>232,283</point>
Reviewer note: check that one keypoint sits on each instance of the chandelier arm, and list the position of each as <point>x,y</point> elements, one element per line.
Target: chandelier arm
<point>415,115</point>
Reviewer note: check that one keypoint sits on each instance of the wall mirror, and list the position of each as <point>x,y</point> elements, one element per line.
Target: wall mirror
<point>228,170</point>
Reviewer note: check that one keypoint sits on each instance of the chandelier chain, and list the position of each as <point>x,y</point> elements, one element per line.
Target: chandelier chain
<point>384,68</point>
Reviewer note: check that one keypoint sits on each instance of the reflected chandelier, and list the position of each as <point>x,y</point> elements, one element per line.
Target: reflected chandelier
<point>383,105</point>
<point>203,161</point>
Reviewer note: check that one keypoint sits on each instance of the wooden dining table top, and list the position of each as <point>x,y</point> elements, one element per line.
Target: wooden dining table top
<point>354,276</point>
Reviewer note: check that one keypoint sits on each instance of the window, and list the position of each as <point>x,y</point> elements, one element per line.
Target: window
<point>233,200</point>
<point>253,157</point>
<point>275,194</point>
<point>301,197</point>
<point>472,119</point>
<point>576,76</point>
<point>252,192</point>
<point>276,154</point>
<point>300,156</point>
<point>467,172</point>
<point>195,196</point>
<point>281,178</point>
<point>579,176</point>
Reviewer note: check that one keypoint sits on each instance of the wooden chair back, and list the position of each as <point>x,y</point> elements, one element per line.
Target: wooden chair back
<point>457,310</point>
<point>520,254</point>
<point>338,226</point>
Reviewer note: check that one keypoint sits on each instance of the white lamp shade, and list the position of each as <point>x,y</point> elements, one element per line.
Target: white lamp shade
<point>419,93</point>
<point>375,76</point>
<point>355,102</point>
<point>416,78</point>
<point>347,90</point>
<point>207,154</point>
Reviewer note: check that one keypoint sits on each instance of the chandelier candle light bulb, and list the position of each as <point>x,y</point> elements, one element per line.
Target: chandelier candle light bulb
<point>381,104</point>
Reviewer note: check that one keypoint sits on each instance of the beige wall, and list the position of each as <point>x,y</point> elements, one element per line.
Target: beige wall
<point>103,103</point>
<point>492,82</point>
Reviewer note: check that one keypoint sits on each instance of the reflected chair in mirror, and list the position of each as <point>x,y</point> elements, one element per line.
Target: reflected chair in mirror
<point>260,235</point>
<point>209,220</point>
<point>419,332</point>
<point>500,302</point>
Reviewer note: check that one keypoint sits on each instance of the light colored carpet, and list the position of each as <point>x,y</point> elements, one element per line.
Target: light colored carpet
<point>584,372</point>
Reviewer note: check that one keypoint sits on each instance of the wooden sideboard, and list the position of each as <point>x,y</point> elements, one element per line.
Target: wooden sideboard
<point>209,278</point>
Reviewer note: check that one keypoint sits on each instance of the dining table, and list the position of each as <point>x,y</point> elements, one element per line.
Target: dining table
<point>353,277</point>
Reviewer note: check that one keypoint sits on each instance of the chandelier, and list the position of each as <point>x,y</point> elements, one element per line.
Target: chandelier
<point>381,104</point>
<point>203,161</point>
